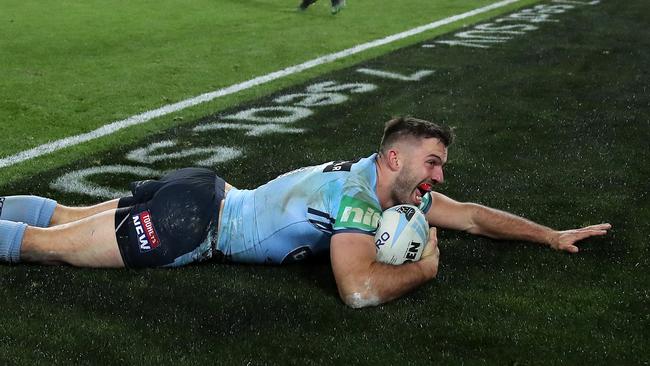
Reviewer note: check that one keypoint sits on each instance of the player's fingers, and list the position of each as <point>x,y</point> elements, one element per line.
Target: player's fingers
<point>435,251</point>
<point>433,236</point>
<point>583,234</point>
<point>605,226</point>
<point>432,244</point>
<point>577,235</point>
<point>570,248</point>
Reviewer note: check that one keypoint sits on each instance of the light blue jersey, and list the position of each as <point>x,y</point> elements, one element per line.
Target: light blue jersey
<point>294,216</point>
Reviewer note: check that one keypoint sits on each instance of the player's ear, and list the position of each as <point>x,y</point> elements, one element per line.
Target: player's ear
<point>394,162</point>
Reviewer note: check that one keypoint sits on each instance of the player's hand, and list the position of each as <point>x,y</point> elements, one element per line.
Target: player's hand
<point>565,240</point>
<point>431,253</point>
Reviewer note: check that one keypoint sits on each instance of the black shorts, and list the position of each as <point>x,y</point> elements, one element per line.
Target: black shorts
<point>171,221</point>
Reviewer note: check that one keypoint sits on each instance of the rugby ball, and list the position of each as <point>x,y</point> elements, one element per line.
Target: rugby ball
<point>402,234</point>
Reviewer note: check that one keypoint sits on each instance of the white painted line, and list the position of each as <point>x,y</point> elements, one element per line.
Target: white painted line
<point>171,108</point>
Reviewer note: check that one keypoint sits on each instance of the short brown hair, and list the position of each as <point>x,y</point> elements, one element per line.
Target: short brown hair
<point>400,127</point>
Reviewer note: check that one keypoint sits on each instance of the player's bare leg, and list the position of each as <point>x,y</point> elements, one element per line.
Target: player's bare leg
<point>89,242</point>
<point>44,212</point>
<point>37,229</point>
<point>65,214</point>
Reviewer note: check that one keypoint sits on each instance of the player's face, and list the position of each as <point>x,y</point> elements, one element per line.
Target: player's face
<point>422,163</point>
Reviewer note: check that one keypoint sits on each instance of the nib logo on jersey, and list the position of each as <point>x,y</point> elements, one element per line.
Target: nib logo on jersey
<point>145,232</point>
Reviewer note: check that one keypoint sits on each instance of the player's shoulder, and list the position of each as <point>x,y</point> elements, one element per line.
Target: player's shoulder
<point>353,166</point>
<point>358,208</point>
<point>360,178</point>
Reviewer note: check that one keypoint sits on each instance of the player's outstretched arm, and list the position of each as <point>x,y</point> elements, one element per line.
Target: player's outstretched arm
<point>481,220</point>
<point>362,281</point>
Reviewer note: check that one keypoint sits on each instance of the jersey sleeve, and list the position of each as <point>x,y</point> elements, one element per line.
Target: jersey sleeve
<point>358,210</point>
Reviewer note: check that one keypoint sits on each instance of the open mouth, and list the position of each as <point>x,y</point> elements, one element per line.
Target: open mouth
<point>420,191</point>
<point>425,188</point>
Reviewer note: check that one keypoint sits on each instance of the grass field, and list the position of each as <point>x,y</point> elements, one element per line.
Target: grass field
<point>553,123</point>
<point>71,67</point>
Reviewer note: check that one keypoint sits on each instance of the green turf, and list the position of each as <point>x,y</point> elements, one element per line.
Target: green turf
<point>70,67</point>
<point>553,124</point>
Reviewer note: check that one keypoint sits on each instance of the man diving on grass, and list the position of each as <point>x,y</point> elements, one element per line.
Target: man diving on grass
<point>192,215</point>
